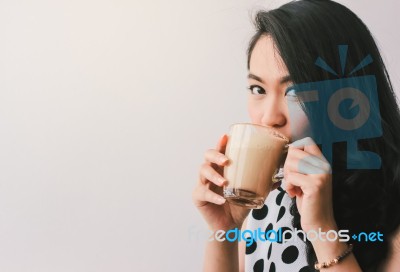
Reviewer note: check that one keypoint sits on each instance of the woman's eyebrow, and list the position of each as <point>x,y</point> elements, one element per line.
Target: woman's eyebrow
<point>285,79</point>
<point>252,76</point>
<point>282,80</point>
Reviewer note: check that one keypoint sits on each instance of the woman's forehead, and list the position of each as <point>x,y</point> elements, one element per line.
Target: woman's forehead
<point>265,60</point>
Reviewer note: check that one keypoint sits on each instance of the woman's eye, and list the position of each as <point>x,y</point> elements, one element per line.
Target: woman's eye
<point>291,92</point>
<point>257,90</point>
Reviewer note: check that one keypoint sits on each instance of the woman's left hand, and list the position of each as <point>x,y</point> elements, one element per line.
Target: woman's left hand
<point>308,177</point>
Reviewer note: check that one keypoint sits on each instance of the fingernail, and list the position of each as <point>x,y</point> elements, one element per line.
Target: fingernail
<point>221,180</point>
<point>221,200</point>
<point>223,159</point>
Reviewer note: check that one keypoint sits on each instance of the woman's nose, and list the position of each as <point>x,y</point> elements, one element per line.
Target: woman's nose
<point>274,114</point>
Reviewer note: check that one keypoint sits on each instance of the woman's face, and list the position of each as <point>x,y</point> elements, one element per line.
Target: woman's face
<point>271,101</point>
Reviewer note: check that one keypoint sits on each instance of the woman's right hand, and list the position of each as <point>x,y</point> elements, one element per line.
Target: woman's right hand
<point>208,193</point>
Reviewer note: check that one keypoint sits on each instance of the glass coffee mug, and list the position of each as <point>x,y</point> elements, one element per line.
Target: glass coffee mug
<point>255,154</point>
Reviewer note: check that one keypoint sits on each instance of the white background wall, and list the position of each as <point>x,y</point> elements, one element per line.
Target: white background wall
<point>106,109</point>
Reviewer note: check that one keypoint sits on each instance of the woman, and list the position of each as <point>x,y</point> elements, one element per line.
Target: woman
<point>282,54</point>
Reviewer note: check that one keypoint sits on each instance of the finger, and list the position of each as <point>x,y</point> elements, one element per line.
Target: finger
<point>293,164</point>
<point>314,165</point>
<point>208,173</point>
<point>223,141</point>
<point>213,197</point>
<point>294,192</point>
<point>308,185</point>
<point>216,157</point>
<point>295,183</point>
<point>308,145</point>
<point>307,163</point>
<point>202,196</point>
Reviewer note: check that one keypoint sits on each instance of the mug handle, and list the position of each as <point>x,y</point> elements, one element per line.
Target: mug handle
<point>279,174</point>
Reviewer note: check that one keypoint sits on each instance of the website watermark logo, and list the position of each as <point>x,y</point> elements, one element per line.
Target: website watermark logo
<point>282,235</point>
<point>342,110</point>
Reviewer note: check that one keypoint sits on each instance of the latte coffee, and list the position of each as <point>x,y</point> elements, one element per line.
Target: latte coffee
<point>255,154</point>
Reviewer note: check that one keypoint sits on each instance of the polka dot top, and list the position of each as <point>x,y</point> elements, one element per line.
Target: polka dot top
<point>268,254</point>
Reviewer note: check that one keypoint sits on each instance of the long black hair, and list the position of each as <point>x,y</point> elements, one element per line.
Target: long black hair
<point>364,200</point>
